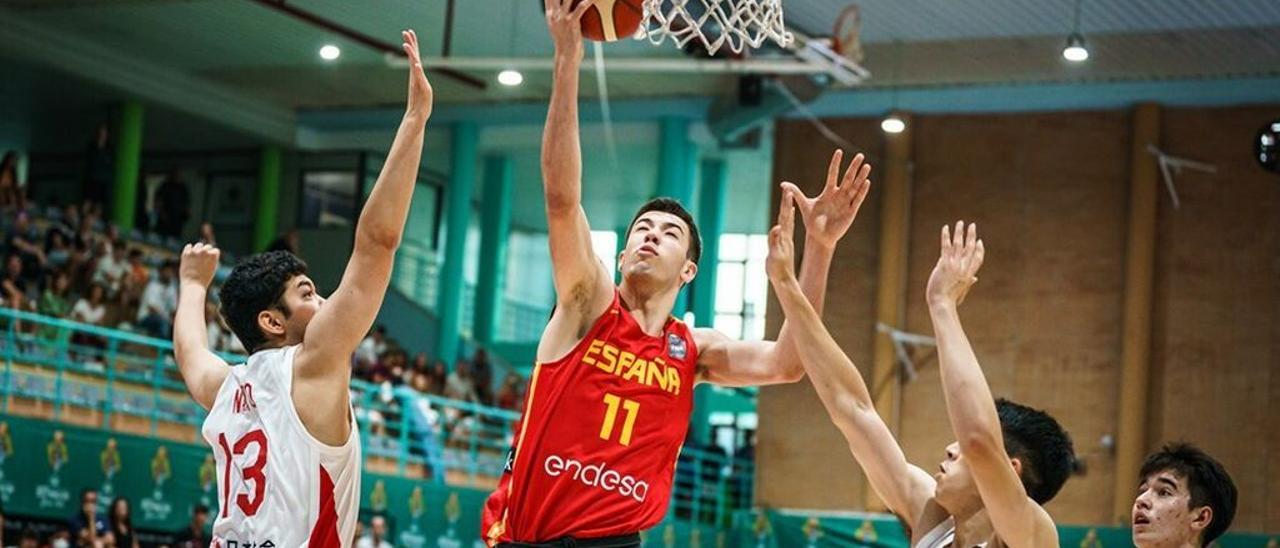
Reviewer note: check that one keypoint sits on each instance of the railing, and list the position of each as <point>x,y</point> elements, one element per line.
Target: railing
<point>79,371</point>
<point>417,275</point>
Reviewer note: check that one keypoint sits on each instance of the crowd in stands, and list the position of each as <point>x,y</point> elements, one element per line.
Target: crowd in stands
<point>90,527</point>
<point>72,265</point>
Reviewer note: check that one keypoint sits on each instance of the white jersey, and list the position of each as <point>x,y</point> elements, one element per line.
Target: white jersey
<point>277,485</point>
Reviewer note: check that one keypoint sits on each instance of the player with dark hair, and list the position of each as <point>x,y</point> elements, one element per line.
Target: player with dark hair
<point>1186,499</point>
<point>610,398</point>
<point>281,426</point>
<point>1010,459</point>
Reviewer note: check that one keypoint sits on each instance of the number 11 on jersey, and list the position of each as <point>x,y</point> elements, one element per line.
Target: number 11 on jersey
<point>612,403</point>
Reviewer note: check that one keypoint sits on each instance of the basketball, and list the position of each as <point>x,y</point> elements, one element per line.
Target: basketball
<point>611,20</point>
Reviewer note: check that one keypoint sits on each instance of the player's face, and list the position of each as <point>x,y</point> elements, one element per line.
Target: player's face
<point>303,301</point>
<point>1162,513</point>
<point>658,246</point>
<point>955,489</point>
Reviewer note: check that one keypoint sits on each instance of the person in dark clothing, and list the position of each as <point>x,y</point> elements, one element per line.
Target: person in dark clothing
<point>121,524</point>
<point>173,206</point>
<point>193,535</point>
<point>99,172</point>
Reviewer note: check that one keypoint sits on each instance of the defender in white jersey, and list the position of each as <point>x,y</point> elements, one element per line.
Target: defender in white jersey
<point>281,426</point>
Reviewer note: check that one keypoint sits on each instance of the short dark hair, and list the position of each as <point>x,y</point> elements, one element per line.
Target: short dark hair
<point>670,205</point>
<point>200,509</point>
<point>258,283</point>
<point>1039,442</point>
<point>1209,483</point>
<point>86,491</point>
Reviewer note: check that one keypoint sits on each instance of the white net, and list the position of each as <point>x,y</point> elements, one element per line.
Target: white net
<point>735,24</point>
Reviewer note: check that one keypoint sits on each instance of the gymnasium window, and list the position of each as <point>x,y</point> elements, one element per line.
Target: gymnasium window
<point>605,244</point>
<point>742,285</point>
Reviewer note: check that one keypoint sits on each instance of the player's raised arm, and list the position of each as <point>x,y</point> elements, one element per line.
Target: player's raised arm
<point>1017,519</point>
<point>202,370</point>
<point>827,218</point>
<point>583,286</point>
<point>905,488</point>
<point>339,325</point>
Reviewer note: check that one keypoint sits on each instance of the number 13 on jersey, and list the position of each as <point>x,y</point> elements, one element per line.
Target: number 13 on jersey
<point>254,473</point>
<point>612,403</point>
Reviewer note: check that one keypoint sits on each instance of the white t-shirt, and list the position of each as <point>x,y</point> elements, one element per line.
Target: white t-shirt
<point>84,311</point>
<point>158,296</point>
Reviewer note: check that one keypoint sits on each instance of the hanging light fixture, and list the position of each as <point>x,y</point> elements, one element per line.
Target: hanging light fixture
<point>1075,51</point>
<point>893,122</point>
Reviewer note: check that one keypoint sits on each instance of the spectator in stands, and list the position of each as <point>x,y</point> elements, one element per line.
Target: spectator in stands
<point>55,302</point>
<point>25,241</point>
<point>220,338</point>
<point>57,250</point>
<point>88,526</point>
<point>11,192</point>
<point>99,171</point>
<point>91,308</point>
<point>137,275</point>
<point>377,537</point>
<point>286,242</point>
<point>439,376</point>
<point>120,521</point>
<point>110,269</point>
<point>159,301</point>
<point>371,348</point>
<point>460,385</point>
<point>421,364</point>
<point>206,234</point>
<point>482,372</point>
<point>14,285</point>
<point>29,538</point>
<point>193,535</point>
<point>173,206</point>
<point>510,396</point>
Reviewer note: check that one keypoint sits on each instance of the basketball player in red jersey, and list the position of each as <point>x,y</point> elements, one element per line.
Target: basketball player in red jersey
<point>281,426</point>
<point>610,399</point>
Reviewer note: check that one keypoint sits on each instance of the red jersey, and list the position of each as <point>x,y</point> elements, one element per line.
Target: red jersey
<point>596,448</point>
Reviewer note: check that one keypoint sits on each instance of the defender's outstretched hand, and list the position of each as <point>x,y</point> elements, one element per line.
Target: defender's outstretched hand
<point>828,216</point>
<point>782,248</point>
<point>421,96</point>
<point>198,264</point>
<point>957,267</point>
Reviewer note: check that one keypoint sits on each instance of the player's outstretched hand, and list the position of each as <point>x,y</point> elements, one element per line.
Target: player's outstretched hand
<point>198,265</point>
<point>958,264</point>
<point>421,96</point>
<point>828,216</point>
<point>782,248</point>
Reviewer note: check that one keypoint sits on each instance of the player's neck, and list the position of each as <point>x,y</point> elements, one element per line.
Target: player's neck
<point>651,309</point>
<point>972,528</point>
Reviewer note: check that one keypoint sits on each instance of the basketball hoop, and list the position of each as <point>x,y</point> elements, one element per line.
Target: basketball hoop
<point>736,24</point>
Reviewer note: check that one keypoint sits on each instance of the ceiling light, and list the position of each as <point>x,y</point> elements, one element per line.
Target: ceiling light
<point>329,52</point>
<point>1075,50</point>
<point>510,77</point>
<point>893,124</point>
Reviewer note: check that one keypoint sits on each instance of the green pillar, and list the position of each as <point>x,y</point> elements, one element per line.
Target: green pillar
<point>264,225</point>
<point>675,175</point>
<point>711,207</point>
<point>495,223</point>
<point>457,211</point>
<point>124,195</point>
